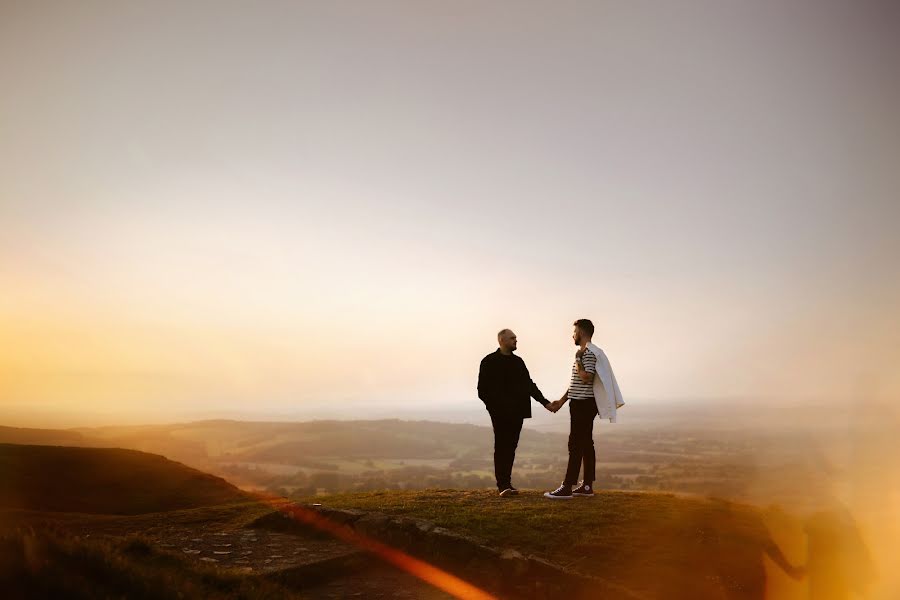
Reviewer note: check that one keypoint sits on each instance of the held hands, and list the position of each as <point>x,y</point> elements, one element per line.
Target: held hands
<point>554,406</point>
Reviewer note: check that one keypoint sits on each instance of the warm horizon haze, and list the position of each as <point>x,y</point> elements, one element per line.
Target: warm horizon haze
<point>226,209</point>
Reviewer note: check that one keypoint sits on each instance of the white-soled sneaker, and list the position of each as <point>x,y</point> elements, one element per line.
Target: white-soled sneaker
<point>584,490</point>
<point>510,491</point>
<point>563,492</point>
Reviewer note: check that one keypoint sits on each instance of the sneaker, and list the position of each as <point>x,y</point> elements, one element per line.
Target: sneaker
<point>563,492</point>
<point>510,491</point>
<point>585,490</point>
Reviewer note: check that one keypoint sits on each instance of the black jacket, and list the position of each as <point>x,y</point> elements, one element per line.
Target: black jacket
<point>505,386</point>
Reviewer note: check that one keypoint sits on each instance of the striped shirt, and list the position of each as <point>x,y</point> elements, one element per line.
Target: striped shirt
<point>578,390</point>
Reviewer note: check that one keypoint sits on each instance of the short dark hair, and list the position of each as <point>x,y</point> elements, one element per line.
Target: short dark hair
<point>585,325</point>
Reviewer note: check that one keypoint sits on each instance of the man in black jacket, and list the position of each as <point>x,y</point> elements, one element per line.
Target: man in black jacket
<point>506,388</point>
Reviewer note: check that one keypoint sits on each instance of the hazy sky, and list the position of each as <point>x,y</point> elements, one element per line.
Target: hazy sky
<point>262,206</point>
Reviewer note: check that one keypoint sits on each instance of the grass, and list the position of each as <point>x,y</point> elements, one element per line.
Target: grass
<point>659,544</point>
<point>530,521</point>
<point>233,515</point>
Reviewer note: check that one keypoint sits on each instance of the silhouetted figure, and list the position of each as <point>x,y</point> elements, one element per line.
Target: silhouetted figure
<point>506,388</point>
<point>736,541</point>
<point>838,562</point>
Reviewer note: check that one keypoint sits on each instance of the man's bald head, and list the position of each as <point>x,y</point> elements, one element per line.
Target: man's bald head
<point>507,340</point>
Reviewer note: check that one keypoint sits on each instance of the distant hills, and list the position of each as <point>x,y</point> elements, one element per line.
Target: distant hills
<point>104,481</point>
<point>47,437</point>
<point>783,465</point>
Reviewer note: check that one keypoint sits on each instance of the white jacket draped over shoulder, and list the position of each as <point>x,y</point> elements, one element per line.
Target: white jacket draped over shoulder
<point>606,389</point>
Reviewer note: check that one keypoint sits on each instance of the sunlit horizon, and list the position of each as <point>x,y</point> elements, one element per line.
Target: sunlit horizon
<point>259,217</point>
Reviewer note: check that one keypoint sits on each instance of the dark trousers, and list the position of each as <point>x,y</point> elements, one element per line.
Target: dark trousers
<point>506,439</point>
<point>581,441</point>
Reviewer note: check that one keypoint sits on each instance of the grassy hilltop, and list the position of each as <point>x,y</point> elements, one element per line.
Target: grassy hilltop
<point>656,545</point>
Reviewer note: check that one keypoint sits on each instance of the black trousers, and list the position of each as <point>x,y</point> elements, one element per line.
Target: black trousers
<point>581,441</point>
<point>506,439</point>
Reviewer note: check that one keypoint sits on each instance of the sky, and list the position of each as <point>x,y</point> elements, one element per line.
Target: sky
<point>266,208</point>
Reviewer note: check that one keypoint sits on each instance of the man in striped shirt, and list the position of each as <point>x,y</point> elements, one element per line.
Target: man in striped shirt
<point>583,409</point>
